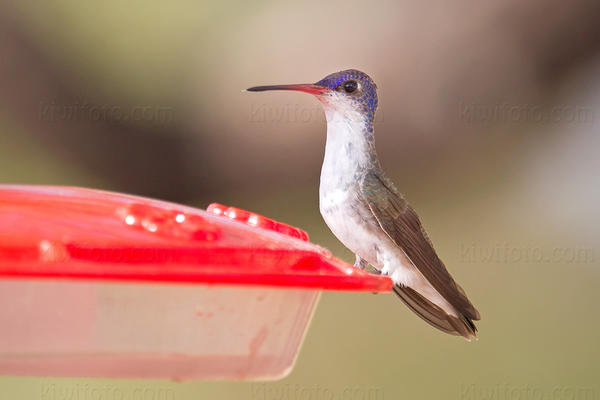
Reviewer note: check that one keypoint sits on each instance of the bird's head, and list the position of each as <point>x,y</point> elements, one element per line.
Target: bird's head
<point>349,94</point>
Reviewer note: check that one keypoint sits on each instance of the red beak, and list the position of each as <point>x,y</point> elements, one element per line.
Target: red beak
<point>302,87</point>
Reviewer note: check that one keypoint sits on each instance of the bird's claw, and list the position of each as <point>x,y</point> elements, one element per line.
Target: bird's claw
<point>360,263</point>
<point>365,266</point>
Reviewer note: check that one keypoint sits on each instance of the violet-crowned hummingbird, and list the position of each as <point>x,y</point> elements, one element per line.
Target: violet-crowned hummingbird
<point>368,215</point>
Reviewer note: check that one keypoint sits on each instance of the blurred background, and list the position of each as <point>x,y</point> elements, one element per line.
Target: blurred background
<point>488,122</point>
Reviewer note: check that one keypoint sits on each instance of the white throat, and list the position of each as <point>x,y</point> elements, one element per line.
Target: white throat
<point>348,149</point>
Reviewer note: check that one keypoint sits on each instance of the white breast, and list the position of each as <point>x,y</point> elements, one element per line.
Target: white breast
<point>346,156</point>
<point>341,217</point>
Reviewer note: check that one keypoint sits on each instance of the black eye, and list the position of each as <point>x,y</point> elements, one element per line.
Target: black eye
<point>350,86</point>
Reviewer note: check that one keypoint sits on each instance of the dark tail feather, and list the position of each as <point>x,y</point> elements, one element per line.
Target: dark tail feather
<point>434,315</point>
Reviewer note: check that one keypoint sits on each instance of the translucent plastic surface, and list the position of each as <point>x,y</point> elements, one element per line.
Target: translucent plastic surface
<point>65,328</point>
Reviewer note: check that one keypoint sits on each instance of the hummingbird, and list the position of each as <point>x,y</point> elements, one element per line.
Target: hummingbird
<point>365,211</point>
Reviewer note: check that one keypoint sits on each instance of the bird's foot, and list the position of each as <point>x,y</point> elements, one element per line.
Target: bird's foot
<point>385,270</point>
<point>365,266</point>
<point>360,263</point>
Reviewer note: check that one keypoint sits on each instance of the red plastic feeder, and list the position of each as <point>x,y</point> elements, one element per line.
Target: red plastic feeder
<point>94,283</point>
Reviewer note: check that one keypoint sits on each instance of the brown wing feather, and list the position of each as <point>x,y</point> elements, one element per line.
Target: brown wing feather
<point>402,225</point>
<point>434,315</point>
